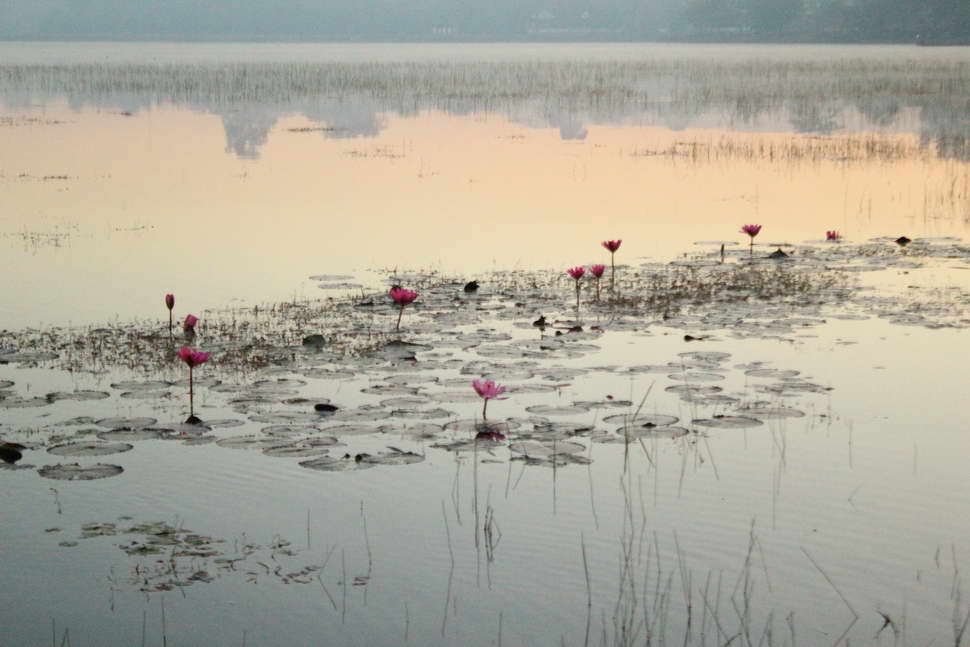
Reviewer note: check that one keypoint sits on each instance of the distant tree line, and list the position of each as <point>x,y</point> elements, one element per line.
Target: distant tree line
<point>925,21</point>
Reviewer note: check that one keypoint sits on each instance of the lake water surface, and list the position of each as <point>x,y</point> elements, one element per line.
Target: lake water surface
<point>744,452</point>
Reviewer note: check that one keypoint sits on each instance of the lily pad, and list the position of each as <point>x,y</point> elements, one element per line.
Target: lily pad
<point>696,377</point>
<point>130,434</point>
<point>728,422</point>
<point>418,429</point>
<point>390,389</point>
<point>422,414</point>
<point>75,472</point>
<point>771,373</point>
<point>411,402</point>
<point>553,410</point>
<point>125,423</point>
<point>642,420</point>
<point>546,448</point>
<point>404,379</point>
<point>455,396</point>
<point>77,395</point>
<point>711,356</point>
<point>326,278</point>
<point>141,385</point>
<point>287,431</point>
<point>295,450</point>
<point>644,431</point>
<point>146,395</point>
<point>605,404</point>
<point>247,442</point>
<point>693,389</point>
<point>479,426</point>
<point>394,457</point>
<point>23,403</point>
<point>285,417</point>
<point>336,464</point>
<point>89,449</point>
<point>351,430</point>
<point>398,350</point>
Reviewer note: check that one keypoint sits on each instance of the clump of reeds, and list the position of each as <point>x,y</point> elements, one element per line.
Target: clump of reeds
<point>673,288</point>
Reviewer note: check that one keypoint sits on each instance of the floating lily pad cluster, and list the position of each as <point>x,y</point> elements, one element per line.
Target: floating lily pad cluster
<point>167,557</point>
<point>328,385</point>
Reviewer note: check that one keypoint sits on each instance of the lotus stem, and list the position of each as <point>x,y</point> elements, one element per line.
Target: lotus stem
<point>191,395</point>
<point>400,313</point>
<point>613,274</point>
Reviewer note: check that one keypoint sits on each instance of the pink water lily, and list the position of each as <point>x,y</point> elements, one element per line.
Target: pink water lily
<point>188,326</point>
<point>832,235</point>
<point>192,358</point>
<point>169,303</point>
<point>612,246</point>
<point>577,273</point>
<point>752,231</point>
<point>402,298</point>
<point>488,390</point>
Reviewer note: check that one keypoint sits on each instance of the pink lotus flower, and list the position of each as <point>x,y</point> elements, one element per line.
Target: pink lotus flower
<point>752,231</point>
<point>832,235</point>
<point>488,390</point>
<point>170,303</point>
<point>577,273</point>
<point>189,325</point>
<point>612,245</point>
<point>193,358</point>
<point>402,298</point>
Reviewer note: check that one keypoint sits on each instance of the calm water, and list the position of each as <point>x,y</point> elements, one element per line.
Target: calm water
<point>230,175</point>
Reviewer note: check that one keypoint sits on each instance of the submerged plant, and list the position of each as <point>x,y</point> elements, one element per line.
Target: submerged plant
<point>577,274</point>
<point>597,272</point>
<point>751,231</point>
<point>170,304</point>
<point>612,246</point>
<point>488,390</point>
<point>402,298</point>
<point>193,358</point>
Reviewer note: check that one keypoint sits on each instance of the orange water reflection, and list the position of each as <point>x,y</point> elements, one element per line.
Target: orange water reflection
<point>156,202</point>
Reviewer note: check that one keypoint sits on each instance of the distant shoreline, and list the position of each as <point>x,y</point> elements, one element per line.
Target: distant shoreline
<point>558,38</point>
